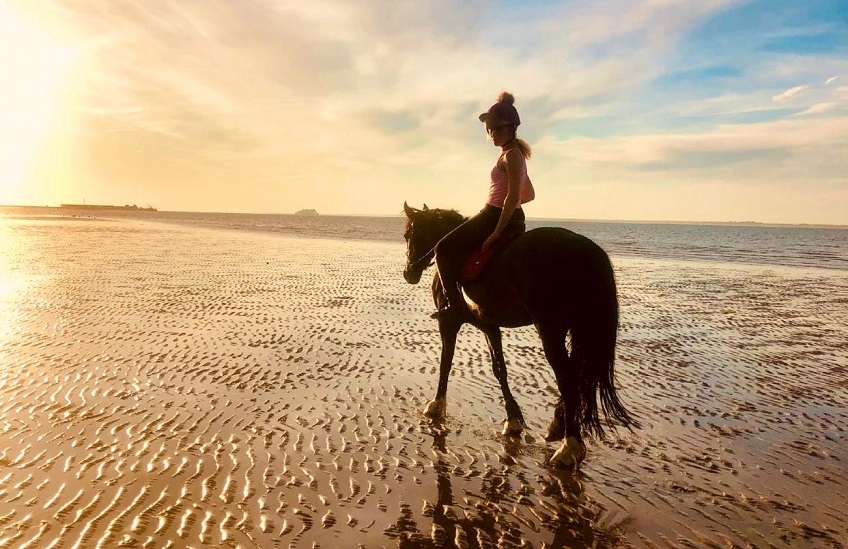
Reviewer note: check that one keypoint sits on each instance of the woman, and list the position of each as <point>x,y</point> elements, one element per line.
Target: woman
<point>509,188</point>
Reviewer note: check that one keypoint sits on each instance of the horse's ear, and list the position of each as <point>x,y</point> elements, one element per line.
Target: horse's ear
<point>410,212</point>
<point>425,207</point>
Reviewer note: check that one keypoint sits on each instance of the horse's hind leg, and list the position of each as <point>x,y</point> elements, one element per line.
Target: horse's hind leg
<point>514,423</point>
<point>556,430</point>
<point>572,451</point>
<point>448,329</point>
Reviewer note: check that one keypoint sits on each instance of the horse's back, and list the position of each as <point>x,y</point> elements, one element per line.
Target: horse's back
<point>561,275</point>
<point>540,272</point>
<point>557,252</point>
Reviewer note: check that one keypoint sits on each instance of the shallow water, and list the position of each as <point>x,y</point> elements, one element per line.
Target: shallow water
<point>802,246</point>
<point>168,386</point>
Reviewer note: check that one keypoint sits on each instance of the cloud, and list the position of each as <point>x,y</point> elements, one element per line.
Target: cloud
<point>693,153</point>
<point>295,60</point>
<point>790,94</point>
<point>819,108</point>
<point>373,102</point>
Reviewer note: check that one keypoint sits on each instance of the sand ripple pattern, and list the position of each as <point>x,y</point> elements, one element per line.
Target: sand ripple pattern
<point>180,387</point>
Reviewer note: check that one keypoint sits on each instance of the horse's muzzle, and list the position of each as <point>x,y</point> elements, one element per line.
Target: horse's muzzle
<point>411,277</point>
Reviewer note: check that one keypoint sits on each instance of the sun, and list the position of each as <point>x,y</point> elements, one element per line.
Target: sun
<point>33,65</point>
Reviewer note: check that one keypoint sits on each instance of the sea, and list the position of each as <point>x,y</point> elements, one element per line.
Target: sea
<point>797,246</point>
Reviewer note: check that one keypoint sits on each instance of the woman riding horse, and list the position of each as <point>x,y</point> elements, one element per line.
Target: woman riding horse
<point>552,278</point>
<point>509,188</point>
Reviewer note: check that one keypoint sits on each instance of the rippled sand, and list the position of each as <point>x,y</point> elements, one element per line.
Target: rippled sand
<point>171,387</point>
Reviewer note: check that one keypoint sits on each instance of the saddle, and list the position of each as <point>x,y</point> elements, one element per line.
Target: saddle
<point>476,263</point>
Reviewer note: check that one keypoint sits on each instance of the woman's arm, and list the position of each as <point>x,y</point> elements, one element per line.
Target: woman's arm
<point>513,159</point>
<point>531,192</point>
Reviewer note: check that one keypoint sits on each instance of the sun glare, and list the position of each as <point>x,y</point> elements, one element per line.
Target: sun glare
<point>32,65</point>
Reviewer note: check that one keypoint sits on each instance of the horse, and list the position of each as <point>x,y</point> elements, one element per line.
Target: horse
<point>555,279</point>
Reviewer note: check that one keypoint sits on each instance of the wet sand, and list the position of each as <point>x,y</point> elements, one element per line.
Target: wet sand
<point>163,386</point>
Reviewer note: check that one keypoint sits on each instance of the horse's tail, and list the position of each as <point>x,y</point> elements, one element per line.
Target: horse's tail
<point>594,333</point>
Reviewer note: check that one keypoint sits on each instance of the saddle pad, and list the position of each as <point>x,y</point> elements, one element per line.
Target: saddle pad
<point>477,261</point>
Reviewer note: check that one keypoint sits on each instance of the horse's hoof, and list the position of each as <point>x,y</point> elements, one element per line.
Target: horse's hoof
<point>435,408</point>
<point>570,453</point>
<point>512,428</point>
<point>556,430</point>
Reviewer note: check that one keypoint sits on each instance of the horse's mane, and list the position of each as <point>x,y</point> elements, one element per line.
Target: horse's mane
<point>438,215</point>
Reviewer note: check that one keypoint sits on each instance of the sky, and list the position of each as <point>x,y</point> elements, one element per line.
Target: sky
<point>675,110</point>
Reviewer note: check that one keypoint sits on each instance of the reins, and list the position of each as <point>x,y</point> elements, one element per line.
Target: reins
<point>426,257</point>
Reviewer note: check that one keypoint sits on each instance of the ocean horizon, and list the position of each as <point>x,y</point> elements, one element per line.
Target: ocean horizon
<point>740,243</point>
<point>7,209</point>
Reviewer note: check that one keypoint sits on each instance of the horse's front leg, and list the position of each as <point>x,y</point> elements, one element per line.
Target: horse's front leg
<point>514,423</point>
<point>448,329</point>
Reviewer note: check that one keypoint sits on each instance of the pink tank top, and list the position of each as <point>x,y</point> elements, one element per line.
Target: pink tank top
<point>500,185</point>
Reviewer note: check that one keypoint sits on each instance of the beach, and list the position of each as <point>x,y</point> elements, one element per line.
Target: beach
<point>176,386</point>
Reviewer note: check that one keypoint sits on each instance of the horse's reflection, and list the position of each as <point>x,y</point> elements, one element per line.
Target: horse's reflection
<point>512,509</point>
<point>444,493</point>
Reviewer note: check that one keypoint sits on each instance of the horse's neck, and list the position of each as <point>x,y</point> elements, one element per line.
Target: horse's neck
<point>450,225</point>
<point>444,225</point>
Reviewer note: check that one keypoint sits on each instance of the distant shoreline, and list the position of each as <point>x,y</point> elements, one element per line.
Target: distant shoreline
<point>106,208</point>
<point>125,207</point>
<point>94,207</point>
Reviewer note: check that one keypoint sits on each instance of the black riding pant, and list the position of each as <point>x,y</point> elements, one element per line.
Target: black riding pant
<point>457,245</point>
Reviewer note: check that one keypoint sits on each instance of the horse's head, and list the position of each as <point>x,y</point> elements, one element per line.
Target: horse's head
<point>424,228</point>
<point>418,247</point>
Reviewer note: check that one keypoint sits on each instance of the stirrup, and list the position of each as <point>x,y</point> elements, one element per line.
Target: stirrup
<point>447,312</point>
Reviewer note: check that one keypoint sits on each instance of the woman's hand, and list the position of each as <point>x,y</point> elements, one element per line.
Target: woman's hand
<point>489,241</point>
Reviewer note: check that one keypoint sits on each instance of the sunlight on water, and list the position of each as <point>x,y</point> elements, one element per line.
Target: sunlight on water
<point>8,284</point>
<point>14,283</point>
<point>7,309</point>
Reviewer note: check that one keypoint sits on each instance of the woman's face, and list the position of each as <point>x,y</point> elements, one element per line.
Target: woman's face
<point>501,132</point>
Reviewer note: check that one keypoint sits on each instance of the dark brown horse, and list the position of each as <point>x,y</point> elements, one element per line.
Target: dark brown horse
<point>563,284</point>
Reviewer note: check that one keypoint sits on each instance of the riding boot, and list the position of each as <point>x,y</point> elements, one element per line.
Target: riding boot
<point>455,303</point>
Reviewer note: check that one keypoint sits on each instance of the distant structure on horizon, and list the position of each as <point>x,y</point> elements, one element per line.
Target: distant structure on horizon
<point>127,207</point>
<point>309,211</point>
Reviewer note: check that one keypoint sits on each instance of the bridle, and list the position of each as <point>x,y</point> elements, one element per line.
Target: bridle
<point>426,258</point>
